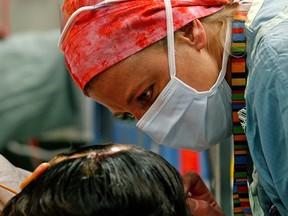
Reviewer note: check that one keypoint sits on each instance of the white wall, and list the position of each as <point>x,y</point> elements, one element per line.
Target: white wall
<point>26,15</point>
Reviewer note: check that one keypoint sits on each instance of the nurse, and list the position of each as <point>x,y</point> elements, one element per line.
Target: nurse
<point>170,72</point>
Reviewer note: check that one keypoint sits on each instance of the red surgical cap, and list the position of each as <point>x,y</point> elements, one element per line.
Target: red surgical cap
<point>100,38</point>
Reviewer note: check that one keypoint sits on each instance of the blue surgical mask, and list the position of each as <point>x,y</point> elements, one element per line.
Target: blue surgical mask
<point>181,116</point>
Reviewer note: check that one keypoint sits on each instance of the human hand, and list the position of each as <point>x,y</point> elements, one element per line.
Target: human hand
<point>199,198</point>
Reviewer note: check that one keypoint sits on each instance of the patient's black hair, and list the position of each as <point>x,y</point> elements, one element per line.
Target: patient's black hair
<point>106,181</point>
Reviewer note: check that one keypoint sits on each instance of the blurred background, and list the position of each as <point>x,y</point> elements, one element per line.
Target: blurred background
<point>42,112</point>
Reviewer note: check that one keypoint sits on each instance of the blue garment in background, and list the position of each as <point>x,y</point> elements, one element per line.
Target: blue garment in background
<point>267,101</point>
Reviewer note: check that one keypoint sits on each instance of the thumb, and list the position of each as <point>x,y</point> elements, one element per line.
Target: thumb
<point>202,208</point>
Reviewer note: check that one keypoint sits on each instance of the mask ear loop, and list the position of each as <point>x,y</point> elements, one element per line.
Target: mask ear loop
<point>170,38</point>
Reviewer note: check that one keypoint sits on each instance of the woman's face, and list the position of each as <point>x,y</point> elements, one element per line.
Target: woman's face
<point>132,85</point>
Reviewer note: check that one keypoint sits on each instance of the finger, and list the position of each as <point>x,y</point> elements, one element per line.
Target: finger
<point>37,172</point>
<point>193,183</point>
<point>189,179</point>
<point>195,188</point>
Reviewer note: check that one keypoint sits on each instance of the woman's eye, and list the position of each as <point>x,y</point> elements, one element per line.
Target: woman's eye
<point>147,95</point>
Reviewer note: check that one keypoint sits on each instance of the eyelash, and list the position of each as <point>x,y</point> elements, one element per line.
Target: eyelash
<point>145,98</point>
<point>147,95</point>
<point>125,116</point>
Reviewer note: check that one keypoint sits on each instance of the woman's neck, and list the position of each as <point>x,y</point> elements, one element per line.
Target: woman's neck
<point>216,35</point>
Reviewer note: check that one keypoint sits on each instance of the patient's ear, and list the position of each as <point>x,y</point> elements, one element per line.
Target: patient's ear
<point>195,33</point>
<point>37,172</point>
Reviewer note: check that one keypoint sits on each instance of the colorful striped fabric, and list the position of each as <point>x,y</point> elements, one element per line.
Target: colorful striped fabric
<point>238,68</point>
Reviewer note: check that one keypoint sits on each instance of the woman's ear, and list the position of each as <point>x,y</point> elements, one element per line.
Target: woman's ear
<point>196,34</point>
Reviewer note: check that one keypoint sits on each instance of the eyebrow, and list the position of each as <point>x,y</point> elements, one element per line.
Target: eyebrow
<point>132,95</point>
<point>136,89</point>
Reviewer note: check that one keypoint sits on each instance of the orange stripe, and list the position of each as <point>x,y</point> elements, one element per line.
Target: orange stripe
<point>235,196</point>
<point>238,67</point>
<point>243,13</point>
<point>244,200</point>
<point>239,17</point>
<point>238,81</point>
<point>240,152</point>
<point>239,137</point>
<point>237,210</point>
<point>235,116</point>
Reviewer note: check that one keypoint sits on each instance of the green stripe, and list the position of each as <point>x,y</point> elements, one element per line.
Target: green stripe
<point>240,147</point>
<point>240,175</point>
<point>238,49</point>
<point>238,130</point>
<point>238,97</point>
<point>239,214</point>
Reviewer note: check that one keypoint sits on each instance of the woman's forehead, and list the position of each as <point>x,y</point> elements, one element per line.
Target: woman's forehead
<point>126,73</point>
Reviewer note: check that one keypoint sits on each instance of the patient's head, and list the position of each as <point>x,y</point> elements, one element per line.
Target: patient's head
<point>104,180</point>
